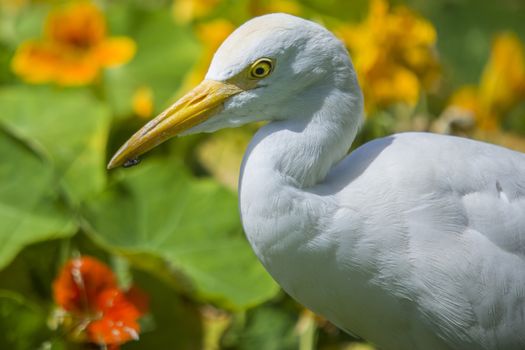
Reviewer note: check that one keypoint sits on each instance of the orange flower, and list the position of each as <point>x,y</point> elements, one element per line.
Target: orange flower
<point>119,323</point>
<point>74,49</point>
<point>97,310</point>
<point>80,282</point>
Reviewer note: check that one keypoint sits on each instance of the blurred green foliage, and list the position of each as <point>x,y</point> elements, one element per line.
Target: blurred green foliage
<point>174,219</point>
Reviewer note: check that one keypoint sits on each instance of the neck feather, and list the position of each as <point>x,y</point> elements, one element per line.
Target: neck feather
<point>301,151</point>
<point>283,160</point>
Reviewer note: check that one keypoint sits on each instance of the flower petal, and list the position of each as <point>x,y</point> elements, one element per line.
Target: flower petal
<point>76,68</point>
<point>74,49</point>
<point>138,298</point>
<point>80,282</point>
<point>118,323</point>
<point>394,54</point>
<point>185,11</point>
<point>503,80</point>
<point>35,62</point>
<point>142,102</point>
<point>43,62</point>
<point>115,50</point>
<point>78,24</point>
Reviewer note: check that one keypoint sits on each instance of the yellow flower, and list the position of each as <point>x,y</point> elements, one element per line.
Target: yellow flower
<point>394,54</point>
<point>221,154</point>
<point>187,10</point>
<point>261,7</point>
<point>502,82</point>
<point>142,102</point>
<point>211,35</point>
<point>74,49</point>
<point>501,87</point>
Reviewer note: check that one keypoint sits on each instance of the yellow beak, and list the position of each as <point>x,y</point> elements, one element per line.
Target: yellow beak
<point>193,108</point>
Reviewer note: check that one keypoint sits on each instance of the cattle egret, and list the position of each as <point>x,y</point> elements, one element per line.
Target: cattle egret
<point>413,241</point>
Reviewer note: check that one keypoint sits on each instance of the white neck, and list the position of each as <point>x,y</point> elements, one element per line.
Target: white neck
<point>284,160</point>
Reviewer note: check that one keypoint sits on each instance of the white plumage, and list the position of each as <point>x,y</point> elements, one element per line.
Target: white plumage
<point>414,241</point>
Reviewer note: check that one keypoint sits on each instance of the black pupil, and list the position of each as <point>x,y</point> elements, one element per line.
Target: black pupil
<point>259,71</point>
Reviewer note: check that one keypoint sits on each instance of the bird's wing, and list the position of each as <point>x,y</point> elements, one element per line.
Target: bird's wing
<point>444,228</point>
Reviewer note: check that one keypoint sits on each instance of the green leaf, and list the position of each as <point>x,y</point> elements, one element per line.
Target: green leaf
<point>69,127</point>
<point>22,324</point>
<point>174,323</point>
<point>5,58</point>
<point>465,30</point>
<point>515,120</point>
<point>29,208</point>
<point>158,211</point>
<point>165,54</point>
<point>266,327</point>
<point>22,23</point>
<point>32,271</point>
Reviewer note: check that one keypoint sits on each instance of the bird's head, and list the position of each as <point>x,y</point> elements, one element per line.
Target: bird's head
<point>270,68</point>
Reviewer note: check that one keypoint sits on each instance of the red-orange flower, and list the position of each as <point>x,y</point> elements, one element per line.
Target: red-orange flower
<point>80,282</point>
<point>119,323</point>
<point>74,49</point>
<point>99,312</point>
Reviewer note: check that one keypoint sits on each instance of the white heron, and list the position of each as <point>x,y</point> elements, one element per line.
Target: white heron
<point>413,241</point>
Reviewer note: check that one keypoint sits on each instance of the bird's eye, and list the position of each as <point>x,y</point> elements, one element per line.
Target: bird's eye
<point>261,68</point>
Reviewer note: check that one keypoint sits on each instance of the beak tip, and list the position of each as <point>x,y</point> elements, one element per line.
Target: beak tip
<point>194,108</point>
<point>118,160</point>
<point>111,165</point>
<point>115,161</point>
